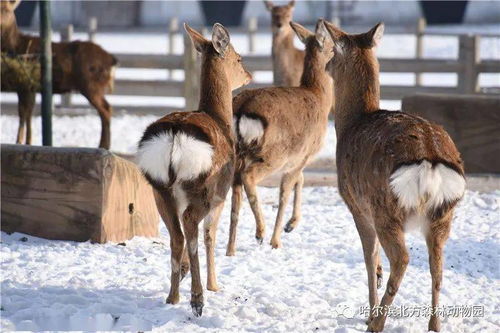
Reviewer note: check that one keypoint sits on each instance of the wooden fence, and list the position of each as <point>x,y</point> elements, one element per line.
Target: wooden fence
<point>467,66</point>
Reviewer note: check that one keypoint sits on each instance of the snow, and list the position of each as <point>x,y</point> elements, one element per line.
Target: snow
<point>62,285</point>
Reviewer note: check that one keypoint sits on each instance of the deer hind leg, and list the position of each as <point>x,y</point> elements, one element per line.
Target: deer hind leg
<point>169,216</point>
<point>235,212</point>
<point>26,103</point>
<point>210,228</point>
<point>190,220</point>
<point>393,243</point>
<point>287,182</point>
<point>436,238</point>
<point>297,202</point>
<point>184,263</point>
<point>105,112</point>
<point>251,176</point>
<point>371,255</point>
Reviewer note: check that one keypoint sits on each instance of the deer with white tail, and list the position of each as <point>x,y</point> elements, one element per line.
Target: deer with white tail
<point>396,171</point>
<point>188,157</point>
<point>280,129</point>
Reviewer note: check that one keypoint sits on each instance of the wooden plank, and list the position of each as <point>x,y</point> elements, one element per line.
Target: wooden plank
<point>398,92</point>
<point>396,65</point>
<point>74,194</point>
<point>472,121</point>
<point>149,88</point>
<point>155,61</point>
<point>82,110</point>
<point>489,66</point>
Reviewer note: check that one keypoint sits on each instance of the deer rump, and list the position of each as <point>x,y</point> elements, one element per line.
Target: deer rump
<point>412,157</point>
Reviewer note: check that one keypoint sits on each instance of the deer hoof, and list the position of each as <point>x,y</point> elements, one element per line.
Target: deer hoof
<point>184,270</point>
<point>276,244</point>
<point>230,253</point>
<point>290,226</point>
<point>259,240</point>
<point>172,299</point>
<point>434,324</point>
<point>197,308</point>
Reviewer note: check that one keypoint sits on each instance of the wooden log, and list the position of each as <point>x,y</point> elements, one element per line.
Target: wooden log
<point>472,121</point>
<point>74,194</point>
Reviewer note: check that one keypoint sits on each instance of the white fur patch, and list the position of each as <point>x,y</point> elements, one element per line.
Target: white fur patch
<point>180,200</point>
<point>189,157</point>
<point>421,186</point>
<point>250,129</point>
<point>417,222</point>
<point>153,157</point>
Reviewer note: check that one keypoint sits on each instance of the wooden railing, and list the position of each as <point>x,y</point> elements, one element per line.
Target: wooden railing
<point>467,66</point>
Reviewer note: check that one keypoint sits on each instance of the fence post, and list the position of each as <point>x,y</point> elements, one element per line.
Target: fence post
<point>252,30</point>
<point>92,28</point>
<point>66,36</point>
<point>468,56</point>
<point>419,47</point>
<point>173,29</point>
<point>191,75</point>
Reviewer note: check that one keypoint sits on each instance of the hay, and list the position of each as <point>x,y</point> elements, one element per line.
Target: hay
<point>20,73</point>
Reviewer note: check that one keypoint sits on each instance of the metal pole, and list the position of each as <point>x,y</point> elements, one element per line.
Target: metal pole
<point>46,64</point>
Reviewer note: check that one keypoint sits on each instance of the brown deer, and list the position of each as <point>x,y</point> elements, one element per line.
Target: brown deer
<point>281,129</point>
<point>80,66</point>
<point>288,61</point>
<point>188,157</point>
<point>395,171</point>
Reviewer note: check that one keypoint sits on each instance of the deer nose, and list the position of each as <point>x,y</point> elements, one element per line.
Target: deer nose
<point>279,25</point>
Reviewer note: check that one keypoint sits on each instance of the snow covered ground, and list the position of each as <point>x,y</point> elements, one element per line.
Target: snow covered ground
<point>305,286</point>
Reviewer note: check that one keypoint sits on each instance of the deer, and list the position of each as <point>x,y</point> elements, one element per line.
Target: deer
<point>396,172</point>
<point>288,61</point>
<point>77,66</point>
<point>280,129</point>
<point>189,159</point>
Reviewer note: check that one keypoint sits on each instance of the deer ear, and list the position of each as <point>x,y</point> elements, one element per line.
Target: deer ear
<point>220,38</point>
<point>291,4</point>
<point>269,5</point>
<point>301,32</point>
<point>198,40</point>
<point>375,34</point>
<point>14,4</point>
<point>321,33</point>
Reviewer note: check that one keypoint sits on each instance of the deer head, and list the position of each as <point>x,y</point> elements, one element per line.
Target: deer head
<point>7,17</point>
<point>318,44</point>
<point>219,49</point>
<point>281,16</point>
<point>353,53</point>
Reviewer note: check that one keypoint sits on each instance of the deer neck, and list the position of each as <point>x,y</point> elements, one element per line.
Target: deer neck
<point>357,92</point>
<point>216,93</point>
<point>10,37</point>
<point>316,77</point>
<point>282,42</point>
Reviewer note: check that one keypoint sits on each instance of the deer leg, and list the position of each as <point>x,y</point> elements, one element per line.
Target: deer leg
<point>393,243</point>
<point>30,104</point>
<point>370,244</point>
<point>184,263</point>
<point>169,216</point>
<point>287,182</point>
<point>21,110</point>
<point>235,212</point>
<point>210,228</point>
<point>297,202</point>
<point>250,184</point>
<point>105,111</point>
<point>190,221</point>
<point>436,238</point>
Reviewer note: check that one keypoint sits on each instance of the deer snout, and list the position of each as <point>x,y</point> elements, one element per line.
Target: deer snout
<point>249,78</point>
